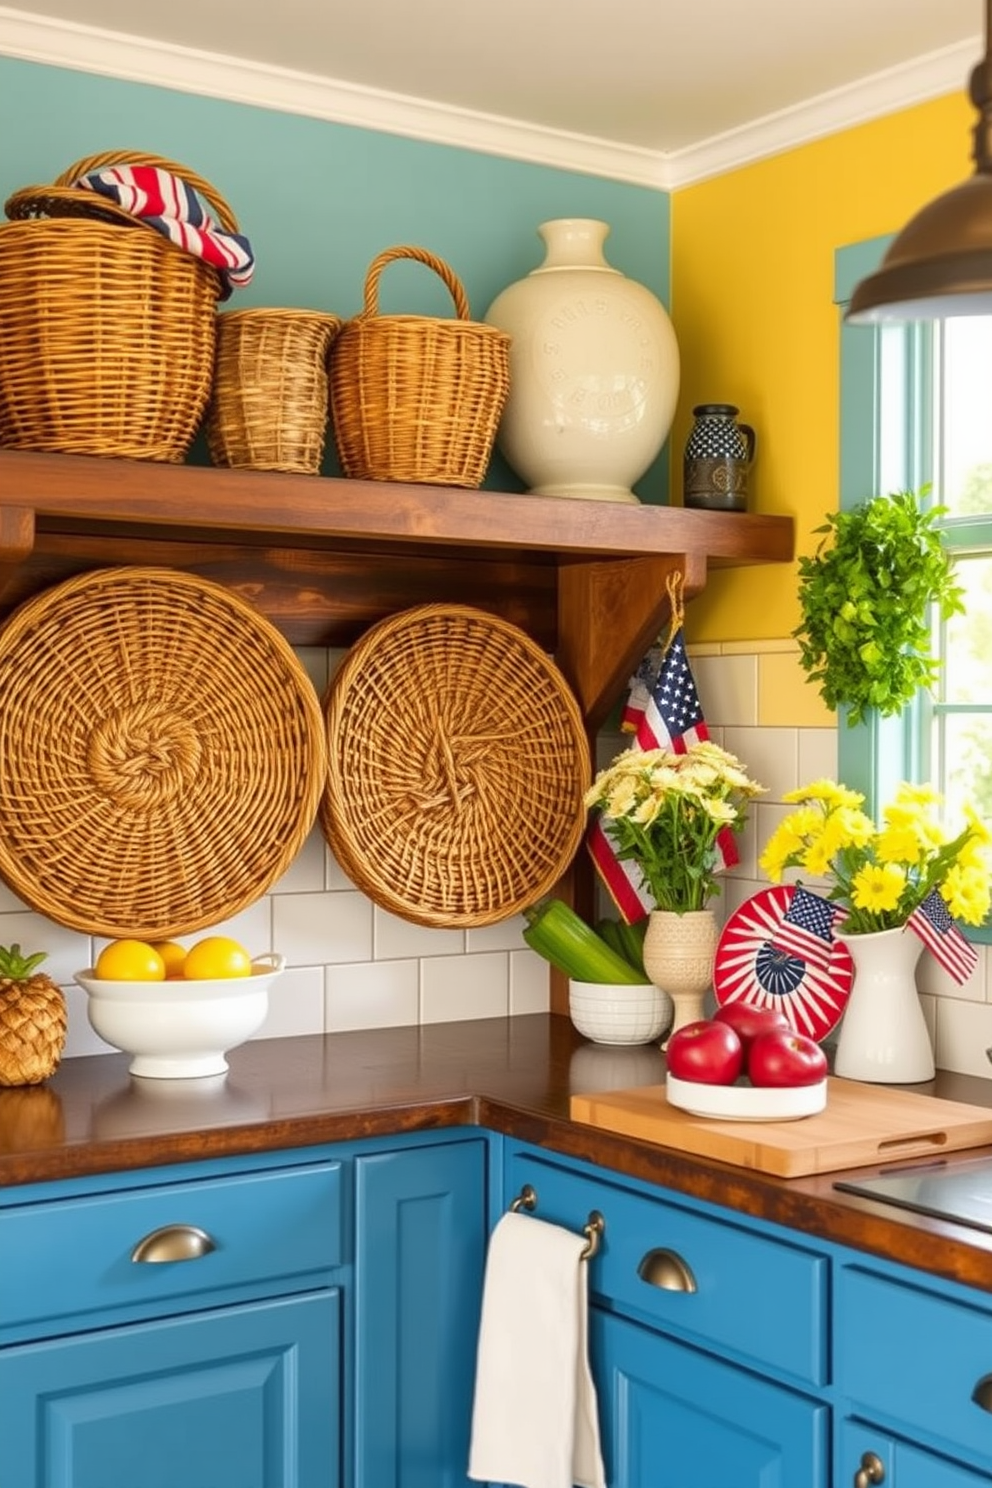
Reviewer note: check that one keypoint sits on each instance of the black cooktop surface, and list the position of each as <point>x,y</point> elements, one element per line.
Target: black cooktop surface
<point>961,1192</point>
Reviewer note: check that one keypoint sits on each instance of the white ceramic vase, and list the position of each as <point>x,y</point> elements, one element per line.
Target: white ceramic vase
<point>679,951</point>
<point>594,370</point>
<point>883,1036</point>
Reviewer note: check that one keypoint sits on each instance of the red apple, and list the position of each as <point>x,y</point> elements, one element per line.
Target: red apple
<point>785,1058</point>
<point>706,1051</point>
<point>747,1021</point>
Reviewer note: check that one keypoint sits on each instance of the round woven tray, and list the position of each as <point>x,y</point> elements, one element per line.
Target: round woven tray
<point>457,765</point>
<point>161,753</point>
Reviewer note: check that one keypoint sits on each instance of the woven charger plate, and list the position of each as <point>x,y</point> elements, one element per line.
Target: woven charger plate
<point>161,753</point>
<point>457,765</point>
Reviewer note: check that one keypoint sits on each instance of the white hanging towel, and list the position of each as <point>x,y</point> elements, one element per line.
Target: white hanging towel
<point>535,1422</point>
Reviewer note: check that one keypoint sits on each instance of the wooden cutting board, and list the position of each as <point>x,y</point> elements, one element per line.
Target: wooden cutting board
<point>861,1125</point>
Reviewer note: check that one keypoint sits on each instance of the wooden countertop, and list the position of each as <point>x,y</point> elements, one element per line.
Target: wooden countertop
<point>513,1075</point>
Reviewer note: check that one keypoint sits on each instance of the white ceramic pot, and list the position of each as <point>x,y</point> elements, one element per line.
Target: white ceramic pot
<point>179,1030</point>
<point>611,1014</point>
<point>679,951</point>
<point>594,370</point>
<point>883,1036</point>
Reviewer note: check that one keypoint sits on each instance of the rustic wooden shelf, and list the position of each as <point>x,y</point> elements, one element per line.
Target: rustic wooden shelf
<point>324,558</point>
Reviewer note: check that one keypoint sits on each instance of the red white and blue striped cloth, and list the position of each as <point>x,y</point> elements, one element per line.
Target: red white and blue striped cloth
<point>168,204</point>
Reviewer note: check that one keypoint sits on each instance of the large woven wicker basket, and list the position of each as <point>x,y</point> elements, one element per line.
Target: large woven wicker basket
<point>268,409</point>
<point>457,765</point>
<point>413,397</point>
<point>107,329</point>
<point>161,753</point>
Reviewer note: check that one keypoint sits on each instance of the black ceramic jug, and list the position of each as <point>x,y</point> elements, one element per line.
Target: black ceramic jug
<point>719,454</point>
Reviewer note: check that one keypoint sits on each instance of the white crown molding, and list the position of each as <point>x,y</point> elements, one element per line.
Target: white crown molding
<point>883,93</point>
<point>113,54</point>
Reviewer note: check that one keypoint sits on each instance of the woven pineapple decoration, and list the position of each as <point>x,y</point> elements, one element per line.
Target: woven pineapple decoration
<point>33,1019</point>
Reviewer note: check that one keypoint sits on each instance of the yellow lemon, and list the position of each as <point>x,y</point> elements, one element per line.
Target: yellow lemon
<point>216,956</point>
<point>174,956</point>
<point>129,961</point>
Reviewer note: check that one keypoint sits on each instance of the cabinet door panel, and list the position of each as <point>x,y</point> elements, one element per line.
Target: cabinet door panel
<point>247,1397</point>
<point>420,1251</point>
<point>673,1417</point>
<point>904,1466</point>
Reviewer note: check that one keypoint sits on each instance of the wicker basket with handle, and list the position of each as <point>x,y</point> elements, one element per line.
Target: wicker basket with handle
<point>413,397</point>
<point>457,766</point>
<point>107,329</point>
<point>268,410</point>
<point>161,753</point>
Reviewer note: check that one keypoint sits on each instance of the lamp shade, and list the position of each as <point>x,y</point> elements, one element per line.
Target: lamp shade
<point>940,264</point>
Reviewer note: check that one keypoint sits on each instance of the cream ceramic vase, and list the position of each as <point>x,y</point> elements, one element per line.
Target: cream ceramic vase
<point>884,1037</point>
<point>679,951</point>
<point>594,370</point>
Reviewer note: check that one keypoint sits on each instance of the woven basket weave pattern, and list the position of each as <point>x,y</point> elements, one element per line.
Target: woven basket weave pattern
<point>161,753</point>
<point>457,767</point>
<point>269,406</point>
<point>33,1029</point>
<point>107,330</point>
<point>415,398</point>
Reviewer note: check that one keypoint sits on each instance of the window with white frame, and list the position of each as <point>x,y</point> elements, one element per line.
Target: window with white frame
<point>916,415</point>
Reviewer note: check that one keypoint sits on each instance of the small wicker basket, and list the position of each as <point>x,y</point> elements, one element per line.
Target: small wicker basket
<point>268,410</point>
<point>107,329</point>
<point>415,398</point>
<point>457,766</point>
<point>161,753</point>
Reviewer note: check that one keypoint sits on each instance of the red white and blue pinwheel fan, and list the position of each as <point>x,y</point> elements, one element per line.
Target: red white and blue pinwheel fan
<point>771,954</point>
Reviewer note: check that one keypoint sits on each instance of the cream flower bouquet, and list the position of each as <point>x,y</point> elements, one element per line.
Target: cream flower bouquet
<point>666,812</point>
<point>879,875</point>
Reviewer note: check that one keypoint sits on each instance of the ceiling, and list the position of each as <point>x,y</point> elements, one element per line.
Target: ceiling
<point>659,76</point>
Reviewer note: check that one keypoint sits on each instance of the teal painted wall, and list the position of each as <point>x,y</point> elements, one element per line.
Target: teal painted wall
<point>320,200</point>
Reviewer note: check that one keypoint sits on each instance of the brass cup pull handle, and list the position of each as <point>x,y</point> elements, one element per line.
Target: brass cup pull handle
<point>175,1242</point>
<point>872,1470</point>
<point>982,1393</point>
<point>667,1270</point>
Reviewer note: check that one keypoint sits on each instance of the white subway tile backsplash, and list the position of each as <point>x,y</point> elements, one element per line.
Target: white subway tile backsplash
<point>769,755</point>
<point>306,874</point>
<point>454,988</point>
<point>817,754</point>
<point>505,935</point>
<point>964,1032</point>
<point>378,994</point>
<point>296,1004</point>
<point>728,689</point>
<point>530,983</point>
<point>316,929</point>
<point>395,937</point>
<point>80,1037</point>
<point>931,978</point>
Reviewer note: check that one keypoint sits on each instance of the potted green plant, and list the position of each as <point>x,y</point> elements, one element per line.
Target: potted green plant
<point>865,598</point>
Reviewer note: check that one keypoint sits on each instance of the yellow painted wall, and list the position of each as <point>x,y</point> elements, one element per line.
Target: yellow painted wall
<point>752,304</point>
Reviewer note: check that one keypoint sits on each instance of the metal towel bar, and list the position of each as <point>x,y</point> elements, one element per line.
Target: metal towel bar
<point>592,1229</point>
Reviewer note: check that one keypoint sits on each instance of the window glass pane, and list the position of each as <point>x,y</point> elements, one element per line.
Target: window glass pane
<point>967,755</point>
<point>966,443</point>
<point>967,675</point>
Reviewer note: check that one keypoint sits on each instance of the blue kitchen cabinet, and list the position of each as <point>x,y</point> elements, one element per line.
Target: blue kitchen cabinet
<point>420,1227</point>
<point>675,1416</point>
<point>698,1380</point>
<point>182,1326</point>
<point>240,1397</point>
<point>867,1456</point>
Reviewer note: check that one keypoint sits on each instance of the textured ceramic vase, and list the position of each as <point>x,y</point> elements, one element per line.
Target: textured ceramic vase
<point>594,370</point>
<point>884,1037</point>
<point>679,951</point>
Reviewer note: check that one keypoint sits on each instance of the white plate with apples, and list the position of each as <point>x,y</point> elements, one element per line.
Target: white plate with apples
<point>745,1064</point>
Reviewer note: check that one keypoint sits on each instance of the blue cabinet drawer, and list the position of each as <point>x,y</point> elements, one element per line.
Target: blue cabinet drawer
<point>910,1358</point>
<point>76,1256</point>
<point>754,1295</point>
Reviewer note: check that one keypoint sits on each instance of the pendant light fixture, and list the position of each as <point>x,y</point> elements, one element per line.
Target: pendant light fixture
<point>941,262</point>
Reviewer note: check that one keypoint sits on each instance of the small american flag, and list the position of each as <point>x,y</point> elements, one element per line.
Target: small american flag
<point>666,713</point>
<point>807,928</point>
<point>933,922</point>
